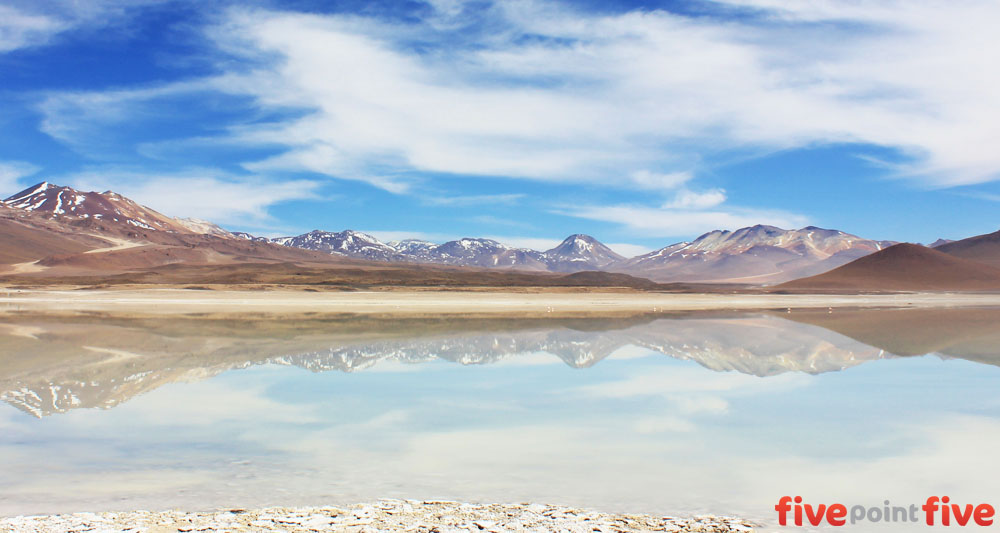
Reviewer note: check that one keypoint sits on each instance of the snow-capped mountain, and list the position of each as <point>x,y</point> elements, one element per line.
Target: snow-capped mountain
<point>348,243</point>
<point>248,237</point>
<point>757,254</point>
<point>412,247</point>
<point>108,207</point>
<point>576,253</point>
<point>462,252</point>
<point>203,227</point>
<point>485,253</point>
<point>581,252</point>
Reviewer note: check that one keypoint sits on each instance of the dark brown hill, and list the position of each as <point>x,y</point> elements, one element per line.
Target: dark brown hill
<point>904,267</point>
<point>982,248</point>
<point>594,278</point>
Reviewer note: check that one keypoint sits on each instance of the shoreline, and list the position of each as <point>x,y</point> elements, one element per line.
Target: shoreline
<point>155,302</point>
<point>383,515</point>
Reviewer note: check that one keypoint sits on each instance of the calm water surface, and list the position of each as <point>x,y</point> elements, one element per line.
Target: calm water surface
<point>700,413</point>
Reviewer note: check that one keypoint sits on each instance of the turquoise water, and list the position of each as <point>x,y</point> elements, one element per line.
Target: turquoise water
<point>713,413</point>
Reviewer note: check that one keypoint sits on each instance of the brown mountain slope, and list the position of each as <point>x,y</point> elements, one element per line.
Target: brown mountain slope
<point>50,231</point>
<point>904,267</point>
<point>25,237</point>
<point>982,248</point>
<point>59,246</point>
<point>23,244</point>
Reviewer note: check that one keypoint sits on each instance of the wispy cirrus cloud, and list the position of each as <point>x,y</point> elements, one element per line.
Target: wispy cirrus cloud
<point>687,199</point>
<point>473,199</point>
<point>120,123</point>
<point>28,23</point>
<point>991,197</point>
<point>607,98</point>
<point>19,29</point>
<point>12,174</point>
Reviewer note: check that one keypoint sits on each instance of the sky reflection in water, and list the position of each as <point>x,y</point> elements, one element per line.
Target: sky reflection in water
<point>700,413</point>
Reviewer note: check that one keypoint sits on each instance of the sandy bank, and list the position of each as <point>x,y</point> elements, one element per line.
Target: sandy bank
<point>158,302</point>
<point>385,515</point>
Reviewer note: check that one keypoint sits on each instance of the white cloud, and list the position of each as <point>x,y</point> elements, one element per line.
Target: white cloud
<point>374,105</point>
<point>664,424</point>
<point>594,96</point>
<point>982,196</point>
<point>447,8</point>
<point>654,222</point>
<point>687,199</point>
<point>402,235</point>
<point>475,199</point>
<point>89,121</point>
<point>11,173</point>
<point>204,194</point>
<point>533,243</point>
<point>19,29</point>
<point>501,221</point>
<point>654,180</point>
<point>37,22</point>
<point>629,250</point>
<point>329,160</point>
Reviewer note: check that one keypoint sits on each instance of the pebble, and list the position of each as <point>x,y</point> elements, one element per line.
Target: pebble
<point>431,516</point>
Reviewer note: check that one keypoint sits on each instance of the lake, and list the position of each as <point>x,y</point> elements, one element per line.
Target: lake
<point>683,413</point>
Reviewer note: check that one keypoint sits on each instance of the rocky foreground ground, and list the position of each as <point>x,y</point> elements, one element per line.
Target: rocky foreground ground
<point>385,515</point>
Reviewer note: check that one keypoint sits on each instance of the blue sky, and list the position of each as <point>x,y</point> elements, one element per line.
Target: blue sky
<point>641,123</point>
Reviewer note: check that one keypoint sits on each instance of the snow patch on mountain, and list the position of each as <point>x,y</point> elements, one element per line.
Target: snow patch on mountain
<point>347,243</point>
<point>61,202</point>
<point>756,254</point>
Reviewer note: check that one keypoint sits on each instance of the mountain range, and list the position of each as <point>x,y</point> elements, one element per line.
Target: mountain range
<point>47,226</point>
<point>64,236</point>
<point>575,254</point>
<point>758,254</point>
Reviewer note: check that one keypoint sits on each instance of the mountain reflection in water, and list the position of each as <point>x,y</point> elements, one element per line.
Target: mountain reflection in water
<point>51,366</point>
<point>673,414</point>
